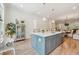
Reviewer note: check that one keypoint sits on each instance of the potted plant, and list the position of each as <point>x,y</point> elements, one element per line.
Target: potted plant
<point>10,30</point>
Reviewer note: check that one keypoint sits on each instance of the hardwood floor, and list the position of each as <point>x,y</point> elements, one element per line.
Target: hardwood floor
<point>68,47</point>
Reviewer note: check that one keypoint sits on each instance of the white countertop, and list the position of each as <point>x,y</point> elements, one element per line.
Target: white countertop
<point>46,33</point>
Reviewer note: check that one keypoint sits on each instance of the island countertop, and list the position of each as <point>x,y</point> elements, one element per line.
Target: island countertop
<point>46,33</point>
<point>46,42</point>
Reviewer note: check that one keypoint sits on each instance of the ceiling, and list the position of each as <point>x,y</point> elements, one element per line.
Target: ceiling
<point>56,11</point>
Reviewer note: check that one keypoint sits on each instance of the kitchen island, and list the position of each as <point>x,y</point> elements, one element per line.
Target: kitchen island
<point>44,43</point>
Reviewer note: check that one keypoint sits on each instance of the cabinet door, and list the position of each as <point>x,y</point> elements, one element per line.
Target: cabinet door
<point>40,44</point>
<point>58,39</point>
<point>52,42</point>
<point>47,45</point>
<point>34,41</point>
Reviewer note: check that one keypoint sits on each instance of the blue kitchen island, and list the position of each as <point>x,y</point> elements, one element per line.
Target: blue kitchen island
<point>44,43</point>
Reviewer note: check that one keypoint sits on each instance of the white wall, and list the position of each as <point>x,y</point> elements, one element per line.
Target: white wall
<point>13,13</point>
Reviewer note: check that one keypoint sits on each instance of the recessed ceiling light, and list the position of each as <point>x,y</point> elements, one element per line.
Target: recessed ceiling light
<point>21,5</point>
<point>44,19</point>
<point>53,21</point>
<point>74,7</point>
